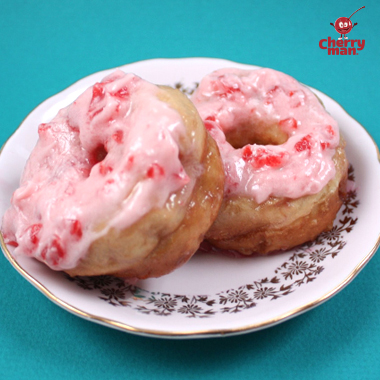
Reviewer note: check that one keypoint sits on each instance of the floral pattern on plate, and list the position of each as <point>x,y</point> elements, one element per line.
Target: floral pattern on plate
<point>302,266</point>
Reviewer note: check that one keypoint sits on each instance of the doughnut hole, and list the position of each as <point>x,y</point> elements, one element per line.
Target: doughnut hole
<point>99,154</point>
<point>253,132</point>
<point>96,158</point>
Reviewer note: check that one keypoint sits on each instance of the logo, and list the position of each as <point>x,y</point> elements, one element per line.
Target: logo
<point>343,45</point>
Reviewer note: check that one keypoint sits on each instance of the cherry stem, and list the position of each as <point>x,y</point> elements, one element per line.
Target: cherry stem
<point>356,11</point>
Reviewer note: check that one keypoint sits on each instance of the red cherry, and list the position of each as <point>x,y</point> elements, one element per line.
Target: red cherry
<point>155,171</point>
<point>262,157</point>
<point>104,169</point>
<point>325,145</point>
<point>55,251</point>
<point>303,144</point>
<point>76,228</point>
<point>123,93</point>
<point>129,164</point>
<point>98,91</point>
<point>118,136</point>
<point>209,125</point>
<point>269,95</point>
<point>56,246</point>
<point>247,153</point>
<point>330,130</point>
<point>272,90</point>
<point>343,25</point>
<point>34,232</point>
<point>42,128</point>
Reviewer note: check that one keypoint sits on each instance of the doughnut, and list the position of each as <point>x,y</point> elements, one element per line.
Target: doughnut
<point>283,156</point>
<point>124,181</point>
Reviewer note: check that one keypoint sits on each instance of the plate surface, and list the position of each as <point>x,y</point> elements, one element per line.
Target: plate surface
<point>213,294</point>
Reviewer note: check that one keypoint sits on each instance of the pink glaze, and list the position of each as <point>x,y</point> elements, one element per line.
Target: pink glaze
<point>109,158</point>
<point>303,165</point>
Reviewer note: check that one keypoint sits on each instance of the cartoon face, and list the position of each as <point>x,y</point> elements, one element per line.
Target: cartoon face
<point>343,25</point>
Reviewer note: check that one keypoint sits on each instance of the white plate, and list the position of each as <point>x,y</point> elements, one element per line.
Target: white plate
<point>213,294</point>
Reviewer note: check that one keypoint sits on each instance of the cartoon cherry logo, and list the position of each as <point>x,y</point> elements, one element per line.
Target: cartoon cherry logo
<point>343,25</point>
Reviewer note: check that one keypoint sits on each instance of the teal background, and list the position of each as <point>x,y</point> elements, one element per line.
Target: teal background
<point>47,45</point>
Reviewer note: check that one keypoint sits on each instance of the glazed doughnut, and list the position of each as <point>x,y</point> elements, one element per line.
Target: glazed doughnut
<point>283,157</point>
<point>125,180</point>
